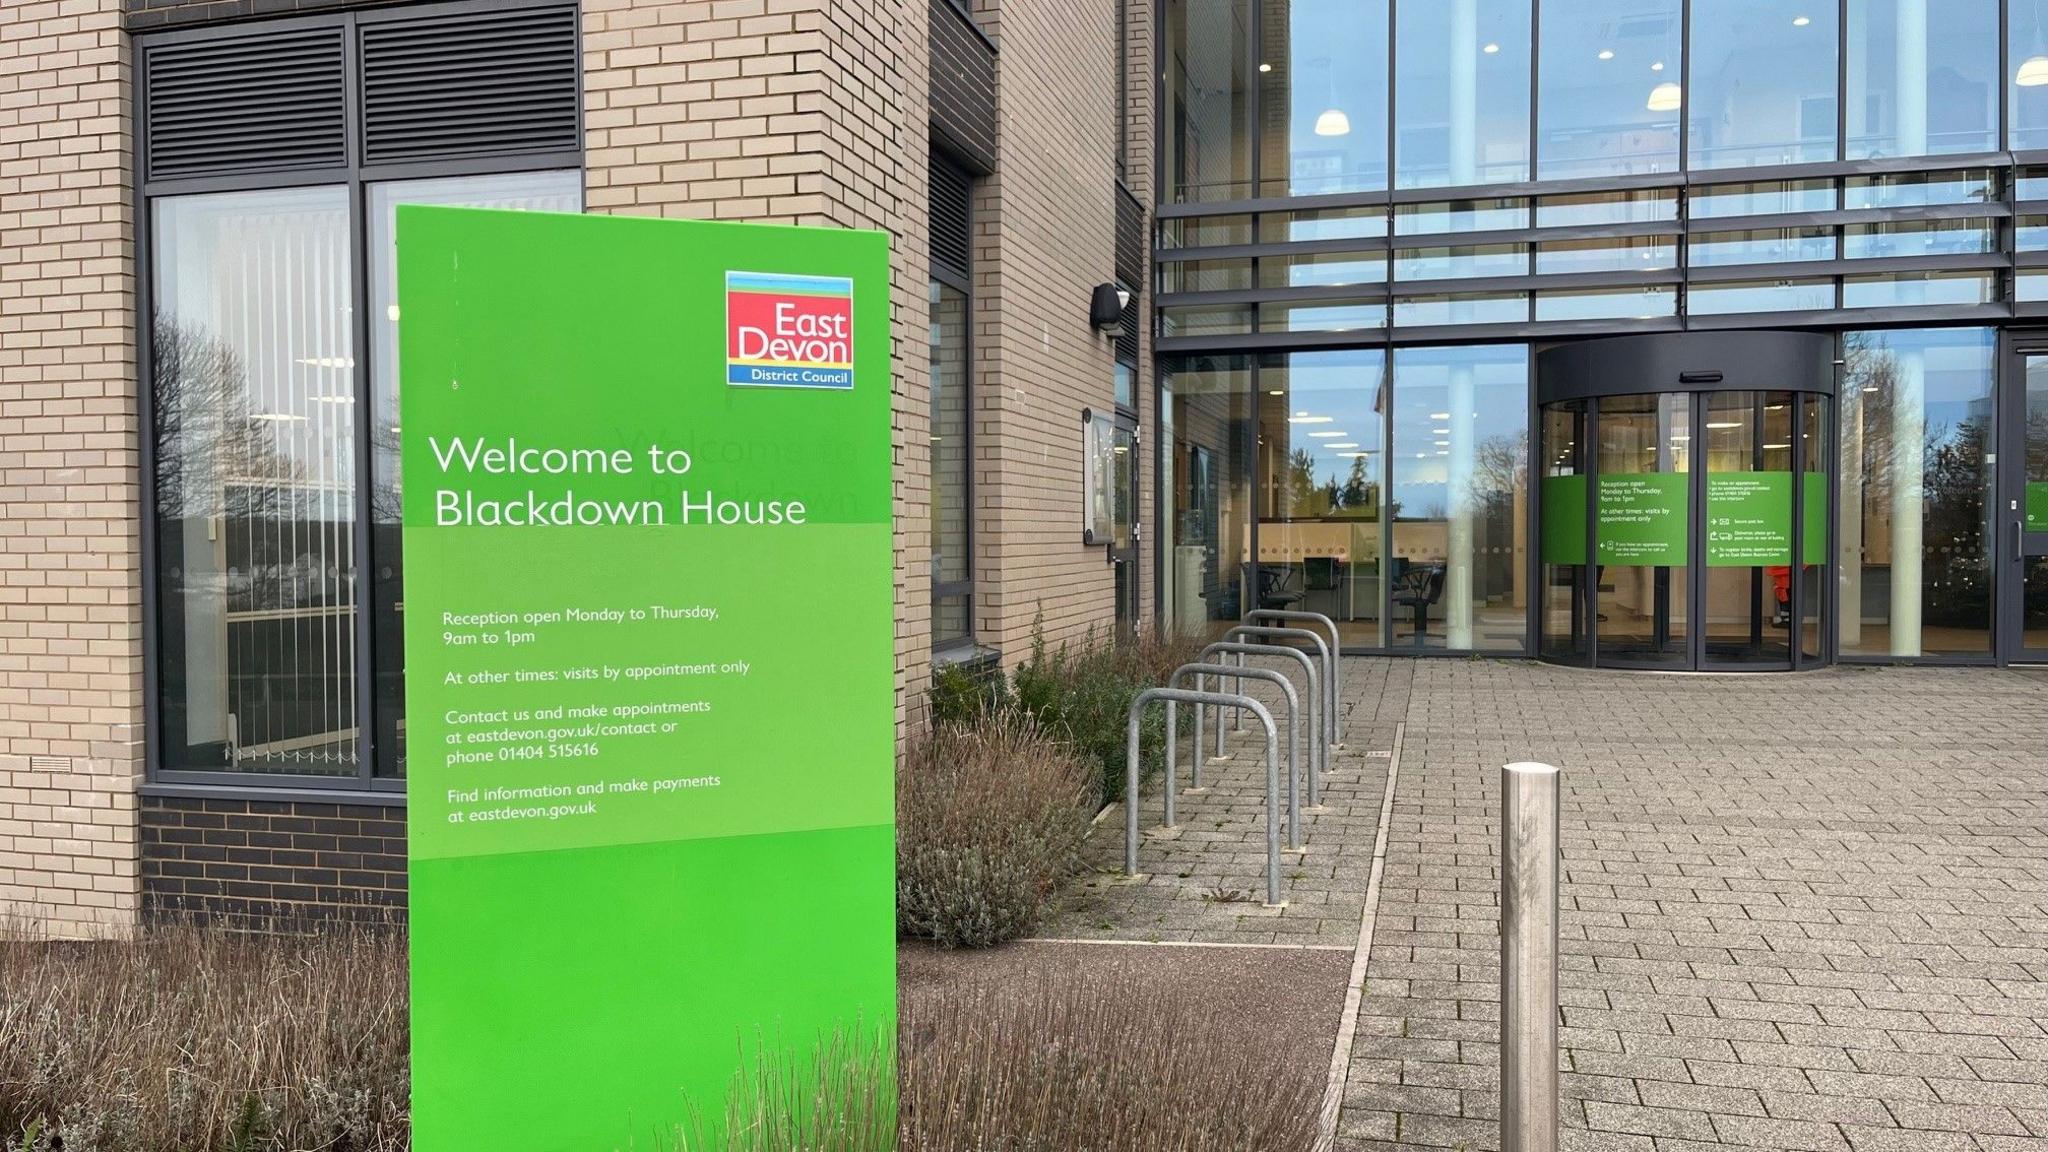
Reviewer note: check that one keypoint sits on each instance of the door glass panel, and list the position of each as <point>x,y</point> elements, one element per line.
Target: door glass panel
<point>2035,512</point>
<point>1641,529</point>
<point>1748,570</point>
<point>1319,489</point>
<point>1565,635</point>
<point>2034,606</point>
<point>1208,415</point>
<point>1814,420</point>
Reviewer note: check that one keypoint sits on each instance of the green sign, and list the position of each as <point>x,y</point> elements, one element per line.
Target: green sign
<point>649,665</point>
<point>1642,519</point>
<point>2037,506</point>
<point>1564,520</point>
<point>1814,545</point>
<point>1749,519</point>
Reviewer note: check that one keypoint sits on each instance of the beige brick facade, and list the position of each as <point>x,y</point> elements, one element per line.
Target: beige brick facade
<point>789,111</point>
<point>70,584</point>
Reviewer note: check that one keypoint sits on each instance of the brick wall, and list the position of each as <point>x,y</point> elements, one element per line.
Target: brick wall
<point>249,862</point>
<point>794,112</point>
<point>1045,236</point>
<point>152,14</point>
<point>70,602</point>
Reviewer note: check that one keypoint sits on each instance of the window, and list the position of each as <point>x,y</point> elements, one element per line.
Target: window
<point>1922,77</point>
<point>1608,90</point>
<point>1460,461</point>
<point>1461,92</point>
<point>952,480</point>
<point>1917,442</point>
<point>2026,75</point>
<point>1207,49</point>
<point>1322,96</point>
<point>1762,89</point>
<point>276,624</point>
<point>1206,407</point>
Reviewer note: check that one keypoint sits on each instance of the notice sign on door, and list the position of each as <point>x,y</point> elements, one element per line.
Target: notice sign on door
<point>1749,519</point>
<point>1642,519</point>
<point>649,725</point>
<point>2037,507</point>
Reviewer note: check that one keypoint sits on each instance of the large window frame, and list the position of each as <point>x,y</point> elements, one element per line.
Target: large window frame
<point>358,177</point>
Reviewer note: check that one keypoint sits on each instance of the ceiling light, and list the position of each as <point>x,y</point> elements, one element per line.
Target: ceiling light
<point>327,362</point>
<point>1354,455</point>
<point>1439,415</point>
<point>1666,97</point>
<point>391,313</point>
<point>1870,387</point>
<point>1440,431</point>
<point>1725,424</point>
<point>1777,447</point>
<point>1265,67</point>
<point>1490,49</point>
<point>1305,418</point>
<point>1657,67</point>
<point>1277,392</point>
<point>1333,122</point>
<point>1800,21</point>
<point>1607,53</point>
<point>1335,447</point>
<point>2033,72</point>
<point>1328,435</point>
<point>335,399</point>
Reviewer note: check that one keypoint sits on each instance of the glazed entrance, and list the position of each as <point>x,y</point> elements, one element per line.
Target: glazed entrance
<point>1686,527</point>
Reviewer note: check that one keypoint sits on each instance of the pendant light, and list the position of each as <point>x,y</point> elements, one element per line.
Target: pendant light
<point>1666,97</point>
<point>1332,121</point>
<point>2033,71</point>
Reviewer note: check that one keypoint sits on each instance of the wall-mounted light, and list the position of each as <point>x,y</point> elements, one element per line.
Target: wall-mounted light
<point>1106,307</point>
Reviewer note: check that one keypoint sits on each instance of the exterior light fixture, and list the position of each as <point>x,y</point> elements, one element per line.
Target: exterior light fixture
<point>1106,307</point>
<point>1333,122</point>
<point>1666,97</point>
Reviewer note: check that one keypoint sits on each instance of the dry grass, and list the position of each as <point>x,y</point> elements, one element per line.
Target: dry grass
<point>192,1041</point>
<point>1089,1065</point>
<point>989,824</point>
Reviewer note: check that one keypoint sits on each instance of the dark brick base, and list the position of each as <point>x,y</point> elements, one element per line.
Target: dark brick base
<point>262,863</point>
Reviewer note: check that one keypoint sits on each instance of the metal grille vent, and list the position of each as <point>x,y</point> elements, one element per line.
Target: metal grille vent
<point>243,105</point>
<point>504,82</point>
<point>951,236</point>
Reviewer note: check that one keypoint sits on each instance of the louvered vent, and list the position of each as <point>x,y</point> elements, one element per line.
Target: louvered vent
<point>504,82</point>
<point>951,238</point>
<point>245,105</point>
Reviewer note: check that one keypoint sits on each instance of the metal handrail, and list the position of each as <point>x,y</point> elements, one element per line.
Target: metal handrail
<point>1319,743</point>
<point>1226,672</point>
<point>1131,765</point>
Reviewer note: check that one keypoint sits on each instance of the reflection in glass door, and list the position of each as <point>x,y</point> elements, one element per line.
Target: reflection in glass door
<point>1641,531</point>
<point>2026,504</point>
<point>1748,556</point>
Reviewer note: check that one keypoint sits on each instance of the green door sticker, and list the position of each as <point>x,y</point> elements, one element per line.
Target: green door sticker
<point>1643,519</point>
<point>1749,519</point>
<point>1814,544</point>
<point>2037,506</point>
<point>1564,520</point>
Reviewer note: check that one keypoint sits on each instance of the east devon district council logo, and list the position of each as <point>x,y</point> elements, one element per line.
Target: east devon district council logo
<point>785,331</point>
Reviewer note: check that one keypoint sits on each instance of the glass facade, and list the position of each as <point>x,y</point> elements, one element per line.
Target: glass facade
<point>1572,169</point>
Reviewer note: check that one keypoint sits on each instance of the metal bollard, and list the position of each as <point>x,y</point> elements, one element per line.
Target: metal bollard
<point>1529,870</point>
<point>1336,652</point>
<point>1131,765</point>
<point>1294,717</point>
<point>1318,733</point>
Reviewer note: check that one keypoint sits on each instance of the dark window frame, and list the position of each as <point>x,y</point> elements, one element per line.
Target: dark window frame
<point>366,785</point>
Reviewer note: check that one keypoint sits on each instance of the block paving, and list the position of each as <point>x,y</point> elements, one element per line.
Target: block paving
<point>1799,913</point>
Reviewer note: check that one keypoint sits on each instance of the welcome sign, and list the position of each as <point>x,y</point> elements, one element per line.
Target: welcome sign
<point>649,642</point>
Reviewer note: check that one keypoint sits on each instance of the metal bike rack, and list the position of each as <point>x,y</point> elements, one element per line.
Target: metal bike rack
<point>1255,631</point>
<point>1226,672</point>
<point>1318,735</point>
<point>1131,768</point>
<point>1336,652</point>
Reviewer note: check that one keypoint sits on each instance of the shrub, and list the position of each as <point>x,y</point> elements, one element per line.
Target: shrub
<point>1079,1065</point>
<point>194,1041</point>
<point>967,692</point>
<point>989,823</point>
<point>1084,697</point>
